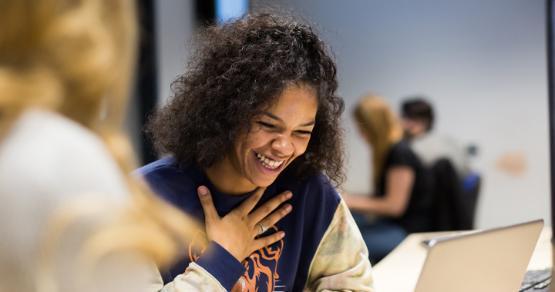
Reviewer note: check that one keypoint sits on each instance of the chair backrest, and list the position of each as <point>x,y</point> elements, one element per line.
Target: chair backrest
<point>454,201</point>
<point>470,191</point>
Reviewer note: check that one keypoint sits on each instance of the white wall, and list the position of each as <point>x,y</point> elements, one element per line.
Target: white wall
<point>483,64</point>
<point>174,29</point>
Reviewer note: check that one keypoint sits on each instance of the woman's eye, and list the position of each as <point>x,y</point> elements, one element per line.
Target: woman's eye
<point>266,125</point>
<point>304,133</point>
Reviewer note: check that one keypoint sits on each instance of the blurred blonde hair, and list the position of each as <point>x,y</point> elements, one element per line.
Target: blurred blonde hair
<point>380,127</point>
<point>76,57</point>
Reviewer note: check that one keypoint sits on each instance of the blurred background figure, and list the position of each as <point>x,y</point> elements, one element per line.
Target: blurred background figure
<point>455,185</point>
<point>71,218</point>
<point>402,199</point>
<point>418,123</point>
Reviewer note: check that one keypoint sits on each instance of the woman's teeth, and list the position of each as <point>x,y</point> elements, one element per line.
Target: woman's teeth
<point>267,162</point>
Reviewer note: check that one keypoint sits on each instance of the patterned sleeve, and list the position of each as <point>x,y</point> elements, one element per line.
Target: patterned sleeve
<point>135,273</point>
<point>195,278</point>
<point>130,272</point>
<point>215,270</point>
<point>341,261</point>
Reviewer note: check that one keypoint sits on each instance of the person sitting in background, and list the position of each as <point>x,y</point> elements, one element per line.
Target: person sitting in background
<point>256,119</point>
<point>401,184</point>
<point>418,122</point>
<point>456,185</point>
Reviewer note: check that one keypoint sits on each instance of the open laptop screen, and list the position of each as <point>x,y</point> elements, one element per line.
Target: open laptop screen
<point>489,260</point>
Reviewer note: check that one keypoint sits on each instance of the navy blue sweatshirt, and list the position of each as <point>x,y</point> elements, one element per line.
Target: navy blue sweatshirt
<point>283,266</point>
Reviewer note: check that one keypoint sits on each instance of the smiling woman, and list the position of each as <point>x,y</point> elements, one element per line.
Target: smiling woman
<point>277,136</point>
<point>254,123</point>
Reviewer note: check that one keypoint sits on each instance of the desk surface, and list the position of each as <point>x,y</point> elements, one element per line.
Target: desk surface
<point>407,260</point>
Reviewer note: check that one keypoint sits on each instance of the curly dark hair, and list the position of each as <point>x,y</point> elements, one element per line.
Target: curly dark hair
<point>238,70</point>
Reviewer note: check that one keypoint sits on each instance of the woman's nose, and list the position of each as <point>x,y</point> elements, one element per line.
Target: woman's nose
<point>283,146</point>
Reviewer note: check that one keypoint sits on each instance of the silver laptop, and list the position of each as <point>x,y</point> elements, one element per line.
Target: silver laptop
<point>490,260</point>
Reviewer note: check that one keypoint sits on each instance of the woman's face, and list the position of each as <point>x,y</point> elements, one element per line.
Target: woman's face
<point>363,133</point>
<point>278,135</point>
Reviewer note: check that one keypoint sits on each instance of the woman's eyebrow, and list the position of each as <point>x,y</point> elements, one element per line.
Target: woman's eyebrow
<point>274,117</point>
<point>311,123</point>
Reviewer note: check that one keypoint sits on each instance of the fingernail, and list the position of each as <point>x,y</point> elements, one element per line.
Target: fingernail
<point>288,195</point>
<point>281,234</point>
<point>288,208</point>
<point>202,190</point>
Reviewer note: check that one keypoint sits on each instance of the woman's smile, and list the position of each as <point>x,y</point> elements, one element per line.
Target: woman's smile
<point>269,163</point>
